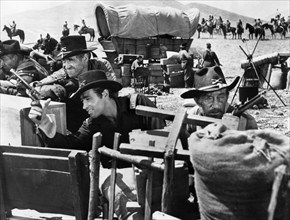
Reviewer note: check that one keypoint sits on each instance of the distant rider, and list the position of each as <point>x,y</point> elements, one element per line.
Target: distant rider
<point>65,26</point>
<point>84,25</point>
<point>13,27</point>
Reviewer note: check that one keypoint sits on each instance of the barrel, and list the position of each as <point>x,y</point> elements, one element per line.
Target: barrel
<point>278,79</point>
<point>126,75</point>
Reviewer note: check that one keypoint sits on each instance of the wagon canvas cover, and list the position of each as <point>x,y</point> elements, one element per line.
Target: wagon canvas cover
<point>136,22</point>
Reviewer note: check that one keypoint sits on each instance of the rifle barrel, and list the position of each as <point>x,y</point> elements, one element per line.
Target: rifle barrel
<point>34,94</point>
<point>249,103</point>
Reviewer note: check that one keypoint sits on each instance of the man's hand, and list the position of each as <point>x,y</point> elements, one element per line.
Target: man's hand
<point>37,113</point>
<point>46,122</point>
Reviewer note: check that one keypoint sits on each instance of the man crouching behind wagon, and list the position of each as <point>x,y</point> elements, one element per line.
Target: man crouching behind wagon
<point>211,95</point>
<point>107,114</point>
<point>14,56</point>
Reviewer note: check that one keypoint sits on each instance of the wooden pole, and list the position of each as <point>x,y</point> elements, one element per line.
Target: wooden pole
<point>94,176</point>
<point>139,161</point>
<point>168,176</point>
<point>148,196</point>
<point>113,178</point>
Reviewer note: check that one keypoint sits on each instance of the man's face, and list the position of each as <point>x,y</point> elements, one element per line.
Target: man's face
<point>214,104</point>
<point>9,62</point>
<point>93,103</point>
<point>75,65</point>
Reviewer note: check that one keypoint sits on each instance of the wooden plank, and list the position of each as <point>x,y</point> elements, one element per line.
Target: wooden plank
<point>169,115</point>
<point>38,150</point>
<point>168,177</point>
<point>113,178</point>
<point>94,176</point>
<point>142,162</point>
<point>80,184</point>
<point>30,161</point>
<point>2,194</point>
<point>157,152</point>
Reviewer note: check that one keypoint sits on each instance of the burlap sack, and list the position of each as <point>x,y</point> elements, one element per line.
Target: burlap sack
<point>234,171</point>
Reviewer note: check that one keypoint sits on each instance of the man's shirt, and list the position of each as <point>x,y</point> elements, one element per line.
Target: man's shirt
<point>126,121</point>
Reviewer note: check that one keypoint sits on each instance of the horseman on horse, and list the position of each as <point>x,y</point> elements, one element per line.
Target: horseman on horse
<point>13,27</point>
<point>84,27</point>
<point>65,31</point>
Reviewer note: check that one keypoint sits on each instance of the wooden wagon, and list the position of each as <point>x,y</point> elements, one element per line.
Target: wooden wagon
<point>128,31</point>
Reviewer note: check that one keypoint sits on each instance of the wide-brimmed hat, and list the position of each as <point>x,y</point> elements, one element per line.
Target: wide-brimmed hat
<point>209,79</point>
<point>73,45</point>
<point>13,47</point>
<point>95,79</point>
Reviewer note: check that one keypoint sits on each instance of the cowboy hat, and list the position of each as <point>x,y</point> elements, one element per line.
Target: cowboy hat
<point>13,47</point>
<point>73,45</point>
<point>209,79</point>
<point>95,79</point>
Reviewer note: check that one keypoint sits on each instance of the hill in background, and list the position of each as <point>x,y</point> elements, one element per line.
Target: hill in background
<point>51,20</point>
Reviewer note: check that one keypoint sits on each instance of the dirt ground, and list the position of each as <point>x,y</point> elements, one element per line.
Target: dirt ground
<point>276,114</point>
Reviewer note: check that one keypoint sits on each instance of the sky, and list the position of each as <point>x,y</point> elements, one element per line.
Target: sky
<point>260,8</point>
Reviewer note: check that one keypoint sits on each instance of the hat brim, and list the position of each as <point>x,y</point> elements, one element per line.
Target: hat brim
<point>114,86</point>
<point>24,52</point>
<point>68,54</point>
<point>197,92</point>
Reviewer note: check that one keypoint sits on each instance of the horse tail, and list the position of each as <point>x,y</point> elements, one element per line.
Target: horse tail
<point>23,37</point>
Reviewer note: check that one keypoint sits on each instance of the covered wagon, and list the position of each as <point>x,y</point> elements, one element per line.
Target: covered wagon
<point>131,30</point>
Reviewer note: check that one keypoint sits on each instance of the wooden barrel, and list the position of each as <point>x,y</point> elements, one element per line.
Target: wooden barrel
<point>278,79</point>
<point>126,75</point>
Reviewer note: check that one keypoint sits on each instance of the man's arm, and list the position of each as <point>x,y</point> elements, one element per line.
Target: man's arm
<point>107,67</point>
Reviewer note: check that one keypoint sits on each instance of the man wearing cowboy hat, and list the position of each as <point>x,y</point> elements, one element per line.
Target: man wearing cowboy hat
<point>107,114</point>
<point>77,59</point>
<point>211,93</point>
<point>14,56</point>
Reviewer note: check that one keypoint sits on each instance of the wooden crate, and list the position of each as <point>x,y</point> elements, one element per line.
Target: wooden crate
<point>16,128</point>
<point>44,179</point>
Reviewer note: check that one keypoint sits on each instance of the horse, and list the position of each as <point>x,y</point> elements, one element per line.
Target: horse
<point>65,32</point>
<point>279,28</point>
<point>18,32</point>
<point>259,32</point>
<point>240,31</point>
<point>251,30</point>
<point>226,30</point>
<point>48,59</point>
<point>206,28</point>
<point>85,30</point>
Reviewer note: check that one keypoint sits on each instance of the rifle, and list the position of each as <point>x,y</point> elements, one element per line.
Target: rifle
<point>33,93</point>
<point>242,108</point>
<point>236,120</point>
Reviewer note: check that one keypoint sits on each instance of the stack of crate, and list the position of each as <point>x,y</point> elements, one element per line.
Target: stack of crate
<point>156,74</point>
<point>174,71</point>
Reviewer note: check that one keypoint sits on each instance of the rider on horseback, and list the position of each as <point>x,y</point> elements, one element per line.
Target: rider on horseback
<point>65,26</point>
<point>84,25</point>
<point>13,27</point>
<point>258,23</point>
<point>228,25</point>
<point>240,25</point>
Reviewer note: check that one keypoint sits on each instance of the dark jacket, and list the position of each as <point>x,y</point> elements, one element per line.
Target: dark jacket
<point>210,59</point>
<point>127,120</point>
